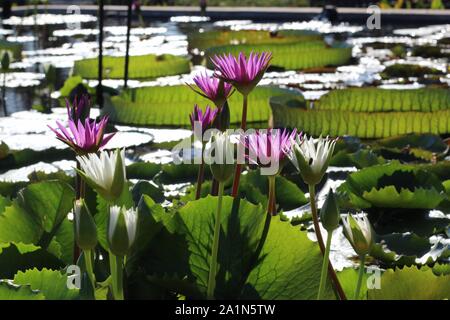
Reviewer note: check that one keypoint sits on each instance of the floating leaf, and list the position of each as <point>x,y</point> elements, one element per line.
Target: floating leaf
<point>141,67</point>
<point>393,185</point>
<point>171,105</point>
<point>411,283</point>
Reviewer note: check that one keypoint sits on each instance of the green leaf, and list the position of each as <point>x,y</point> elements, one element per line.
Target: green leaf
<point>411,283</point>
<point>370,113</point>
<point>9,291</point>
<point>253,261</point>
<point>348,279</point>
<point>288,195</point>
<point>142,170</point>
<point>212,38</point>
<point>51,283</point>
<point>288,267</point>
<point>141,67</point>
<point>49,202</point>
<point>19,256</point>
<point>385,100</point>
<point>171,105</point>
<point>407,249</point>
<point>393,185</point>
<point>69,85</point>
<point>292,56</point>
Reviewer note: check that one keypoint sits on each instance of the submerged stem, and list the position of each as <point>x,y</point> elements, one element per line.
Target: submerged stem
<point>215,247</point>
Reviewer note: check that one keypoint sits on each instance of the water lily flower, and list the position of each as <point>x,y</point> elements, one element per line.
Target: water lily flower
<point>311,157</point>
<point>122,225</point>
<point>242,72</point>
<point>105,172</point>
<point>84,138</point>
<point>219,154</point>
<point>80,108</point>
<point>359,233</point>
<point>205,119</point>
<point>269,148</point>
<point>212,88</point>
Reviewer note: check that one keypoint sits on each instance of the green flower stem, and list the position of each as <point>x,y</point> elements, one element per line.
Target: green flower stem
<point>80,187</point>
<point>323,275</point>
<point>116,267</point>
<point>89,266</point>
<point>215,247</point>
<point>201,173</point>
<point>237,173</point>
<point>336,284</point>
<point>271,205</point>
<point>362,260</point>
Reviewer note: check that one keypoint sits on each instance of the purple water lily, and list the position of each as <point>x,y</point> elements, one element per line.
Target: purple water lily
<point>266,147</point>
<point>84,138</point>
<point>212,88</point>
<point>80,108</point>
<point>205,118</point>
<point>242,72</point>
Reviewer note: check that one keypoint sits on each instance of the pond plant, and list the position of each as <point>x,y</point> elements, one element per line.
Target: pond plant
<point>228,236</point>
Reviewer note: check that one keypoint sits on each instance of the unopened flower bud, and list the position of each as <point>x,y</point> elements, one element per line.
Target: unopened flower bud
<point>121,229</point>
<point>359,233</point>
<point>85,229</point>
<point>329,213</point>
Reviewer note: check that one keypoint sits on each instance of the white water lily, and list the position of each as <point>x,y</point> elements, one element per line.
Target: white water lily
<point>312,157</point>
<point>105,172</point>
<point>219,154</point>
<point>359,233</point>
<point>121,229</point>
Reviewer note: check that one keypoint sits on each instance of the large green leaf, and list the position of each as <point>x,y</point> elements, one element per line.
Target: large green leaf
<point>18,256</point>
<point>205,40</point>
<point>141,67</point>
<point>361,124</point>
<point>407,249</point>
<point>298,55</point>
<point>288,266</point>
<point>288,195</point>
<point>393,185</point>
<point>51,283</point>
<point>348,279</point>
<point>411,283</point>
<point>37,214</point>
<point>9,291</point>
<point>171,105</point>
<point>253,263</point>
<point>384,100</point>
